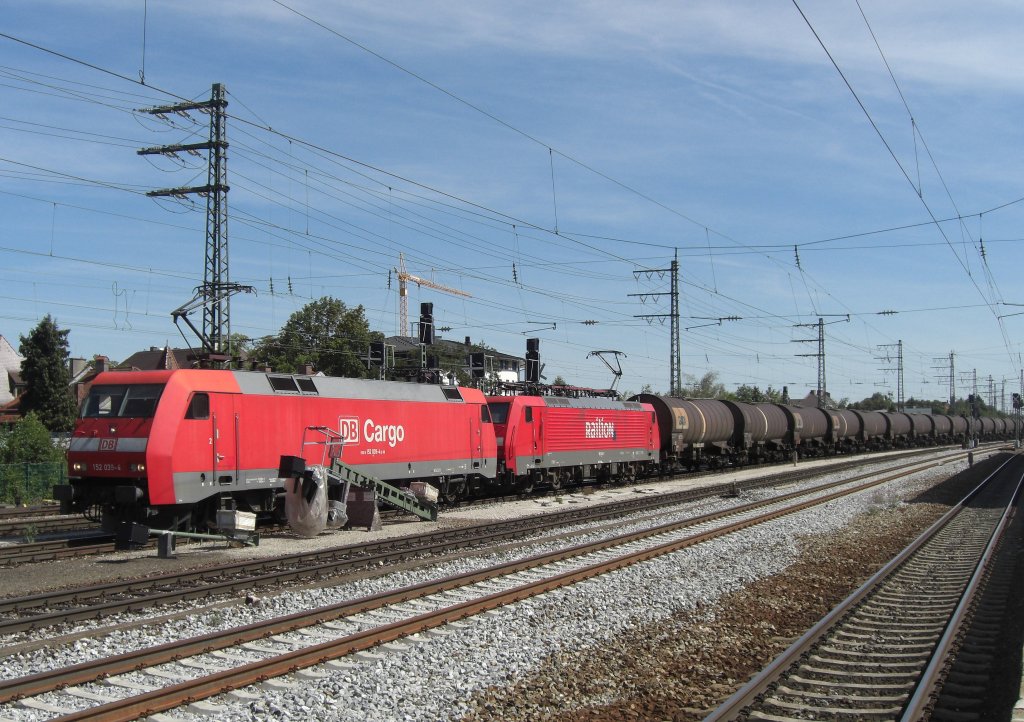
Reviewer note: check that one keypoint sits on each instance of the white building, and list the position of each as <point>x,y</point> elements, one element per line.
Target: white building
<point>10,363</point>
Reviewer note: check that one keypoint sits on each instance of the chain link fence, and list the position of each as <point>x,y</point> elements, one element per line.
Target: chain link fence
<point>30,483</point>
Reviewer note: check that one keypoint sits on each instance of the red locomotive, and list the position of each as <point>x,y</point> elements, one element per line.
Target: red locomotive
<point>172,447</point>
<point>552,441</point>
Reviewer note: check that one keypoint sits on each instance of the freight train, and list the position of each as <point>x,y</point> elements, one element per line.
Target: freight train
<point>171,448</point>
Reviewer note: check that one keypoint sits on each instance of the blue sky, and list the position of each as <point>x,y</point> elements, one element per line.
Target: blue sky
<point>577,142</point>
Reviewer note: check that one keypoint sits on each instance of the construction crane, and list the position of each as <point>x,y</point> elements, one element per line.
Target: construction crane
<point>403,292</point>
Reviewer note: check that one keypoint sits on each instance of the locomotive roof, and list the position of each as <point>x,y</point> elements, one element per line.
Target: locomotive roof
<point>253,382</point>
<point>583,402</point>
<point>273,384</point>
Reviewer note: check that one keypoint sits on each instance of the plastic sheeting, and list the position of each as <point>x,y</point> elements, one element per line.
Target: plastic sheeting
<point>305,502</point>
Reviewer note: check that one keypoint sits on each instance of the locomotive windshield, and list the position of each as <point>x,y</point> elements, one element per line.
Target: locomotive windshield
<point>499,411</point>
<point>137,401</point>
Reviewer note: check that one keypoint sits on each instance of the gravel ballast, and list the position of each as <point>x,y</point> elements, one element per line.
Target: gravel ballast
<point>608,646</point>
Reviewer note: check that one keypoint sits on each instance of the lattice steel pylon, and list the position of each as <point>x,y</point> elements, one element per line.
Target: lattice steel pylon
<point>217,312</point>
<point>675,360</point>
<point>822,392</point>
<point>899,369</point>
<point>675,379</point>
<point>216,290</point>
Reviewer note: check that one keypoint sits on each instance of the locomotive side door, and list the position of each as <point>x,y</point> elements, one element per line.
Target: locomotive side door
<point>224,438</point>
<point>532,417</point>
<point>474,437</point>
<point>481,423</point>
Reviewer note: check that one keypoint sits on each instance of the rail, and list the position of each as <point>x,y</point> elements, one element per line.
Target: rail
<point>760,691</point>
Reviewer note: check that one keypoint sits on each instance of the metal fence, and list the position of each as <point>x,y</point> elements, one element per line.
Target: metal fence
<point>30,483</point>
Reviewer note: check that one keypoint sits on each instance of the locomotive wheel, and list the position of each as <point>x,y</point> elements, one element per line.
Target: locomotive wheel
<point>454,493</point>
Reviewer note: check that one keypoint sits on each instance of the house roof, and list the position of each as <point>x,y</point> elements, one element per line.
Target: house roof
<point>812,400</point>
<point>11,411</point>
<point>158,359</point>
<point>10,347</point>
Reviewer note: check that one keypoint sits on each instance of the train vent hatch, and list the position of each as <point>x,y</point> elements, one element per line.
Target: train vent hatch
<point>283,383</point>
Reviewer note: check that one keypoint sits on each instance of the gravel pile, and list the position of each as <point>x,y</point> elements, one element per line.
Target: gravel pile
<point>530,660</point>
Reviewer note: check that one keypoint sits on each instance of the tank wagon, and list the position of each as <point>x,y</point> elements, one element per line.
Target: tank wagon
<point>898,429</point>
<point>708,433</point>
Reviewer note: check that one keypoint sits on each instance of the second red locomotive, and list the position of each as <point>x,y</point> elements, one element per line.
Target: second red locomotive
<point>552,441</point>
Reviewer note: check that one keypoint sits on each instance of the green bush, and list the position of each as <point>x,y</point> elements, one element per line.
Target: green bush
<point>30,483</point>
<point>30,463</point>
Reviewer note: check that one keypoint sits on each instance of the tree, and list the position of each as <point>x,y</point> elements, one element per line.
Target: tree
<point>324,333</point>
<point>29,442</point>
<point>936,406</point>
<point>241,345</point>
<point>645,389</point>
<point>29,462</point>
<point>754,395</point>
<point>707,387</point>
<point>46,375</point>
<point>875,402</point>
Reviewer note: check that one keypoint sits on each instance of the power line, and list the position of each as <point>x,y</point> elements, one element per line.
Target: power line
<point>903,170</point>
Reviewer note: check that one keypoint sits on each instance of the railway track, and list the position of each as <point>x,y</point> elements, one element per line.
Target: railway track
<point>309,638</point>
<point>34,526</point>
<point>884,652</point>
<point>32,522</point>
<point>53,609</point>
<point>8,513</point>
<point>44,551</point>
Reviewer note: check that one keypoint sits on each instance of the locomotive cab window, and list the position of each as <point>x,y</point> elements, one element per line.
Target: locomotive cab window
<point>485,415</point>
<point>102,401</point>
<point>528,416</point>
<point>137,401</point>
<point>198,407</point>
<point>499,411</point>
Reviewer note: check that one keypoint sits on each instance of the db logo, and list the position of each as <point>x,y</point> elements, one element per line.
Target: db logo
<point>349,428</point>
<point>108,444</point>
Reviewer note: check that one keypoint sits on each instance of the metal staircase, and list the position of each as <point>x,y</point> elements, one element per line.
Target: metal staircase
<point>399,498</point>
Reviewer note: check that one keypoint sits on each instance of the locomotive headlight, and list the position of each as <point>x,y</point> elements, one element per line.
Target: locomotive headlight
<point>138,467</point>
<point>78,466</point>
